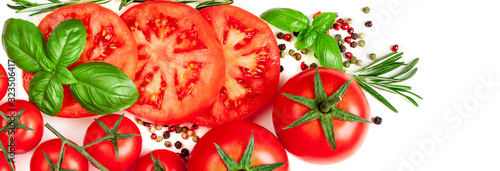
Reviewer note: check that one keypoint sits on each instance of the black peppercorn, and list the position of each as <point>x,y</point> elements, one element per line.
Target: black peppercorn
<point>280,35</point>
<point>342,48</point>
<point>368,24</point>
<point>354,44</point>
<point>166,135</point>
<point>146,124</point>
<point>178,130</point>
<point>313,65</point>
<point>377,120</point>
<point>354,36</point>
<point>281,68</point>
<point>296,33</point>
<point>178,144</point>
<point>282,46</point>
<point>184,152</point>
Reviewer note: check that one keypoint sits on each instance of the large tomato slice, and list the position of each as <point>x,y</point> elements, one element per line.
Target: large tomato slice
<point>252,64</point>
<point>108,40</point>
<point>181,64</point>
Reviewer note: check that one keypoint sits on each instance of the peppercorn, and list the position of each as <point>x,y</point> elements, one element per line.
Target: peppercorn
<point>338,37</point>
<point>348,20</point>
<point>296,33</point>
<point>178,144</point>
<point>184,135</point>
<point>373,56</point>
<point>303,66</point>
<point>146,124</point>
<point>171,128</point>
<point>347,64</point>
<point>303,51</point>
<point>348,54</point>
<point>361,43</point>
<point>344,26</point>
<point>377,120</point>
<point>291,52</point>
<point>340,20</point>
<point>313,65</point>
<point>139,121</point>
<point>152,129</point>
<point>166,135</point>
<point>159,127</point>
<point>395,48</point>
<point>368,24</point>
<point>336,26</point>
<point>282,46</point>
<point>362,35</point>
<point>282,54</point>
<point>366,10</point>
<point>159,138</point>
<point>354,36</point>
<point>342,48</point>
<point>178,129</point>
<point>190,133</point>
<point>354,44</point>
<point>350,30</point>
<point>341,41</point>
<point>194,127</point>
<point>168,144</point>
<point>298,56</point>
<point>287,37</point>
<point>359,62</point>
<point>153,136</point>
<point>280,35</point>
<point>281,68</point>
<point>196,138</point>
<point>347,39</point>
<point>185,152</point>
<point>185,129</point>
<point>353,60</point>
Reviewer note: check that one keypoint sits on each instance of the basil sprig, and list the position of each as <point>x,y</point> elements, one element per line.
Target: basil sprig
<point>99,88</point>
<point>325,47</point>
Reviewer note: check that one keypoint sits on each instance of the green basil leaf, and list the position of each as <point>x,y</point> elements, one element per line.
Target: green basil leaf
<point>324,21</point>
<point>328,52</point>
<point>44,62</point>
<point>21,40</point>
<point>46,93</point>
<point>286,19</point>
<point>66,42</point>
<point>306,38</point>
<point>64,76</point>
<point>102,88</point>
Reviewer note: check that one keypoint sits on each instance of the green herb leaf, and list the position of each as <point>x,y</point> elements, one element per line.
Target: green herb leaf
<point>377,95</point>
<point>66,42</point>
<point>286,19</point>
<point>103,88</point>
<point>21,40</point>
<point>46,93</point>
<point>324,21</point>
<point>6,155</point>
<point>328,52</point>
<point>246,159</point>
<point>211,4</point>
<point>64,76</point>
<point>45,62</point>
<point>306,38</point>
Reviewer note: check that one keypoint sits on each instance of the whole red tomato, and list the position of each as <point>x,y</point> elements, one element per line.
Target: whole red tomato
<point>4,165</point>
<point>72,160</point>
<point>233,138</point>
<point>4,82</point>
<point>129,149</point>
<point>22,140</point>
<point>308,140</point>
<point>168,159</point>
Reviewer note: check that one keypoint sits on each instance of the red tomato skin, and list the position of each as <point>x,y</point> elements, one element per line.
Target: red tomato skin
<point>4,82</point>
<point>73,160</point>
<point>308,141</point>
<point>169,160</point>
<point>24,140</point>
<point>104,152</point>
<point>233,138</point>
<point>4,165</point>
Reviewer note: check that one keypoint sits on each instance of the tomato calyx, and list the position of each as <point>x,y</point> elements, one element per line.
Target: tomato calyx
<point>58,166</point>
<point>324,108</point>
<point>14,123</point>
<point>246,160</point>
<point>156,162</point>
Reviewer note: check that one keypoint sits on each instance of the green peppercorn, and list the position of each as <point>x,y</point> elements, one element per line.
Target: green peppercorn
<point>303,51</point>
<point>159,138</point>
<point>196,138</point>
<point>353,60</point>
<point>359,62</point>
<point>348,20</point>
<point>338,37</point>
<point>362,35</point>
<point>282,54</point>
<point>298,56</point>
<point>291,52</point>
<point>313,65</point>
<point>366,10</point>
<point>341,41</point>
<point>168,144</point>
<point>347,64</point>
<point>140,122</point>
<point>361,43</point>
<point>373,56</point>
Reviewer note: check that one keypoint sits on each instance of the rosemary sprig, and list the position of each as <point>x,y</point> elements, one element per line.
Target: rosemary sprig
<point>375,76</point>
<point>203,3</point>
<point>23,6</point>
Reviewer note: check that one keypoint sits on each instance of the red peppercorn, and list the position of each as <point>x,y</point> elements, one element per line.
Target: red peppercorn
<point>336,26</point>
<point>171,128</point>
<point>316,14</point>
<point>348,55</point>
<point>153,136</point>
<point>350,30</point>
<point>347,39</point>
<point>303,66</point>
<point>344,26</point>
<point>395,48</point>
<point>287,37</point>
<point>340,20</point>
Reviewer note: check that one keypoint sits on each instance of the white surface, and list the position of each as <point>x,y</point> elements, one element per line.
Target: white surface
<point>457,46</point>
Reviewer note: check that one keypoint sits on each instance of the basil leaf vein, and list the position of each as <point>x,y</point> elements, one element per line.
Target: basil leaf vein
<point>328,52</point>
<point>306,38</point>
<point>46,93</point>
<point>66,42</point>
<point>324,21</point>
<point>64,76</point>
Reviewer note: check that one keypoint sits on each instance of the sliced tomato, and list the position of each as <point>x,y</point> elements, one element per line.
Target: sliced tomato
<point>180,62</point>
<point>108,40</point>
<point>252,64</point>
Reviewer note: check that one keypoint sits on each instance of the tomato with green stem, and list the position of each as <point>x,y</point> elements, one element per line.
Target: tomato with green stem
<point>48,157</point>
<point>161,160</point>
<point>321,116</point>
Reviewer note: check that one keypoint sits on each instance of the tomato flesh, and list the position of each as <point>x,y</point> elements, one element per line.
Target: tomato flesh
<point>252,65</point>
<point>108,40</point>
<point>180,62</point>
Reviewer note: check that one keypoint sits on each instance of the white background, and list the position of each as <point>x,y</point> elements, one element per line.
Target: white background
<point>456,42</point>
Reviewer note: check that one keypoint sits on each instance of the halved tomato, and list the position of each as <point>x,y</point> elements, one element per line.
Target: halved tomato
<point>108,40</point>
<point>181,64</point>
<point>252,64</point>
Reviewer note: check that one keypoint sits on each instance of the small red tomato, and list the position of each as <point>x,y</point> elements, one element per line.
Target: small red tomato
<point>72,160</point>
<point>169,160</point>
<point>344,26</point>
<point>395,48</point>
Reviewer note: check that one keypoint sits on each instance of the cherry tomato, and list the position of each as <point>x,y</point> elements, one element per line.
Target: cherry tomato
<point>169,160</point>
<point>22,140</point>
<point>72,160</point>
<point>128,149</point>
<point>308,141</point>
<point>4,165</point>
<point>4,82</point>
<point>233,138</point>
<point>108,40</point>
